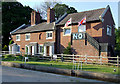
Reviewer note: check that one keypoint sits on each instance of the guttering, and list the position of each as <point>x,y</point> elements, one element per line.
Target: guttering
<point>17,29</point>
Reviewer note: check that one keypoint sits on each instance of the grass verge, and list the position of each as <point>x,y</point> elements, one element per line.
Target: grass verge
<point>68,65</point>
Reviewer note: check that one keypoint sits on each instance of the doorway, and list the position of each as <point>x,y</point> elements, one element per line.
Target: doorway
<point>47,50</point>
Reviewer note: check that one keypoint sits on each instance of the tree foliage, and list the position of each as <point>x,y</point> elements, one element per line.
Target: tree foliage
<point>117,47</point>
<point>60,9</point>
<point>42,8</point>
<point>14,14</point>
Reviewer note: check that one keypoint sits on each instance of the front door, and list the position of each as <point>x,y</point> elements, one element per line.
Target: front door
<point>31,50</point>
<point>47,50</point>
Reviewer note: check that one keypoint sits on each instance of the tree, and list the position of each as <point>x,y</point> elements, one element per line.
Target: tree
<point>117,46</point>
<point>14,14</point>
<point>42,8</point>
<point>68,50</point>
<point>60,9</point>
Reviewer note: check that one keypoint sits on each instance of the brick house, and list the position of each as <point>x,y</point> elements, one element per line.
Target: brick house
<point>96,37</point>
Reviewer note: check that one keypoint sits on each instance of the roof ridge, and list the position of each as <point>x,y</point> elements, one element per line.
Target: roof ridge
<point>87,11</point>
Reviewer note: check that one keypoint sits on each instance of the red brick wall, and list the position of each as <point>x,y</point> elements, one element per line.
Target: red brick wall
<point>34,37</point>
<point>79,46</point>
<point>98,30</point>
<point>108,20</point>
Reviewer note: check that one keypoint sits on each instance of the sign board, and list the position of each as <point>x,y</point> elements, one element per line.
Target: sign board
<point>78,36</point>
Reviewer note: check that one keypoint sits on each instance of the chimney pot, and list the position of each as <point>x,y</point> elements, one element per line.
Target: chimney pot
<point>50,15</point>
<point>35,17</point>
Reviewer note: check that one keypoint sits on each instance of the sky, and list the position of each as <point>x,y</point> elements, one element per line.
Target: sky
<point>80,6</point>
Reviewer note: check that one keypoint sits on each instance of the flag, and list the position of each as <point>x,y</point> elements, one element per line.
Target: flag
<point>68,22</point>
<point>82,21</point>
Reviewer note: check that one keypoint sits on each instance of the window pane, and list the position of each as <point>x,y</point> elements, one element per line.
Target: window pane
<point>50,34</point>
<point>40,49</point>
<point>27,36</point>
<point>82,28</point>
<point>18,49</point>
<point>67,31</point>
<point>47,35</point>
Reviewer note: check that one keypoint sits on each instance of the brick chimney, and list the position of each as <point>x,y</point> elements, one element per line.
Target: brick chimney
<point>50,15</point>
<point>35,18</point>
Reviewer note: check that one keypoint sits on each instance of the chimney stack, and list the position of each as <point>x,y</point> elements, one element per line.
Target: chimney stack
<point>35,18</point>
<point>50,15</point>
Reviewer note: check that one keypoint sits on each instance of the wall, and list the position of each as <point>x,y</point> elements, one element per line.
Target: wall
<point>34,37</point>
<point>78,46</point>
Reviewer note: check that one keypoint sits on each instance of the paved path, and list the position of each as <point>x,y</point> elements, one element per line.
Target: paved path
<point>10,74</point>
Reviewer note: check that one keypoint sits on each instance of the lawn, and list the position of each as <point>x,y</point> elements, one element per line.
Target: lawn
<point>68,65</point>
<point>64,65</point>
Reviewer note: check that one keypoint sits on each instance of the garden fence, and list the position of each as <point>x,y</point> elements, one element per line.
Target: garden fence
<point>73,58</point>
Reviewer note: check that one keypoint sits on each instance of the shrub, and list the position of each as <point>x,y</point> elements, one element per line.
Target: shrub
<point>34,59</point>
<point>8,57</point>
<point>11,42</point>
<point>5,48</point>
<point>68,49</point>
<point>19,58</point>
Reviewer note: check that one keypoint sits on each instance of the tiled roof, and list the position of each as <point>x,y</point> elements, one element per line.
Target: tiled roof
<point>39,27</point>
<point>91,15</point>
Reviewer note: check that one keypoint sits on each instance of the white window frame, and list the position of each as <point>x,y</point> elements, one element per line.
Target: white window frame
<point>39,48</point>
<point>64,31</point>
<point>110,29</point>
<point>47,33</point>
<point>25,36</point>
<point>19,37</point>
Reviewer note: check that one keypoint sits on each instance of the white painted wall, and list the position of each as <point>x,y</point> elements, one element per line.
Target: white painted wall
<point>33,50</point>
<point>50,51</point>
<point>44,54</point>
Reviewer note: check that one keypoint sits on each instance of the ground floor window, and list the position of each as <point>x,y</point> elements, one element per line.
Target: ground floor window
<point>18,48</point>
<point>40,48</point>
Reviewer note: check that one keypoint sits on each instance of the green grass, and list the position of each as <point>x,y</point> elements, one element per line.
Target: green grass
<point>66,65</point>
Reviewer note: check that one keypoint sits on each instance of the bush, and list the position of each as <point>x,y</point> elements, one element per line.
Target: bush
<point>11,42</point>
<point>8,57</point>
<point>19,58</point>
<point>5,48</point>
<point>34,59</point>
<point>68,49</point>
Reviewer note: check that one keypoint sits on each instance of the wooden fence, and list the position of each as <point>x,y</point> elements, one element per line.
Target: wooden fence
<point>75,58</point>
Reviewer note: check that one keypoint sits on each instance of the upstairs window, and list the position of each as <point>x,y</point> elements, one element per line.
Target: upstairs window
<point>18,37</point>
<point>27,37</point>
<point>67,31</point>
<point>82,28</point>
<point>49,35</point>
<point>109,30</point>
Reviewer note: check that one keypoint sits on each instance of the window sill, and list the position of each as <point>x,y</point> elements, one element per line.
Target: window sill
<point>27,39</point>
<point>48,38</point>
<point>67,35</point>
<point>17,40</point>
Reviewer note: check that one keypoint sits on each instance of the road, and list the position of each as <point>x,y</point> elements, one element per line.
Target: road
<point>10,74</point>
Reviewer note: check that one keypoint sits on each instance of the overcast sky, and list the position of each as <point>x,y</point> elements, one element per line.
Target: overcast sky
<point>79,5</point>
